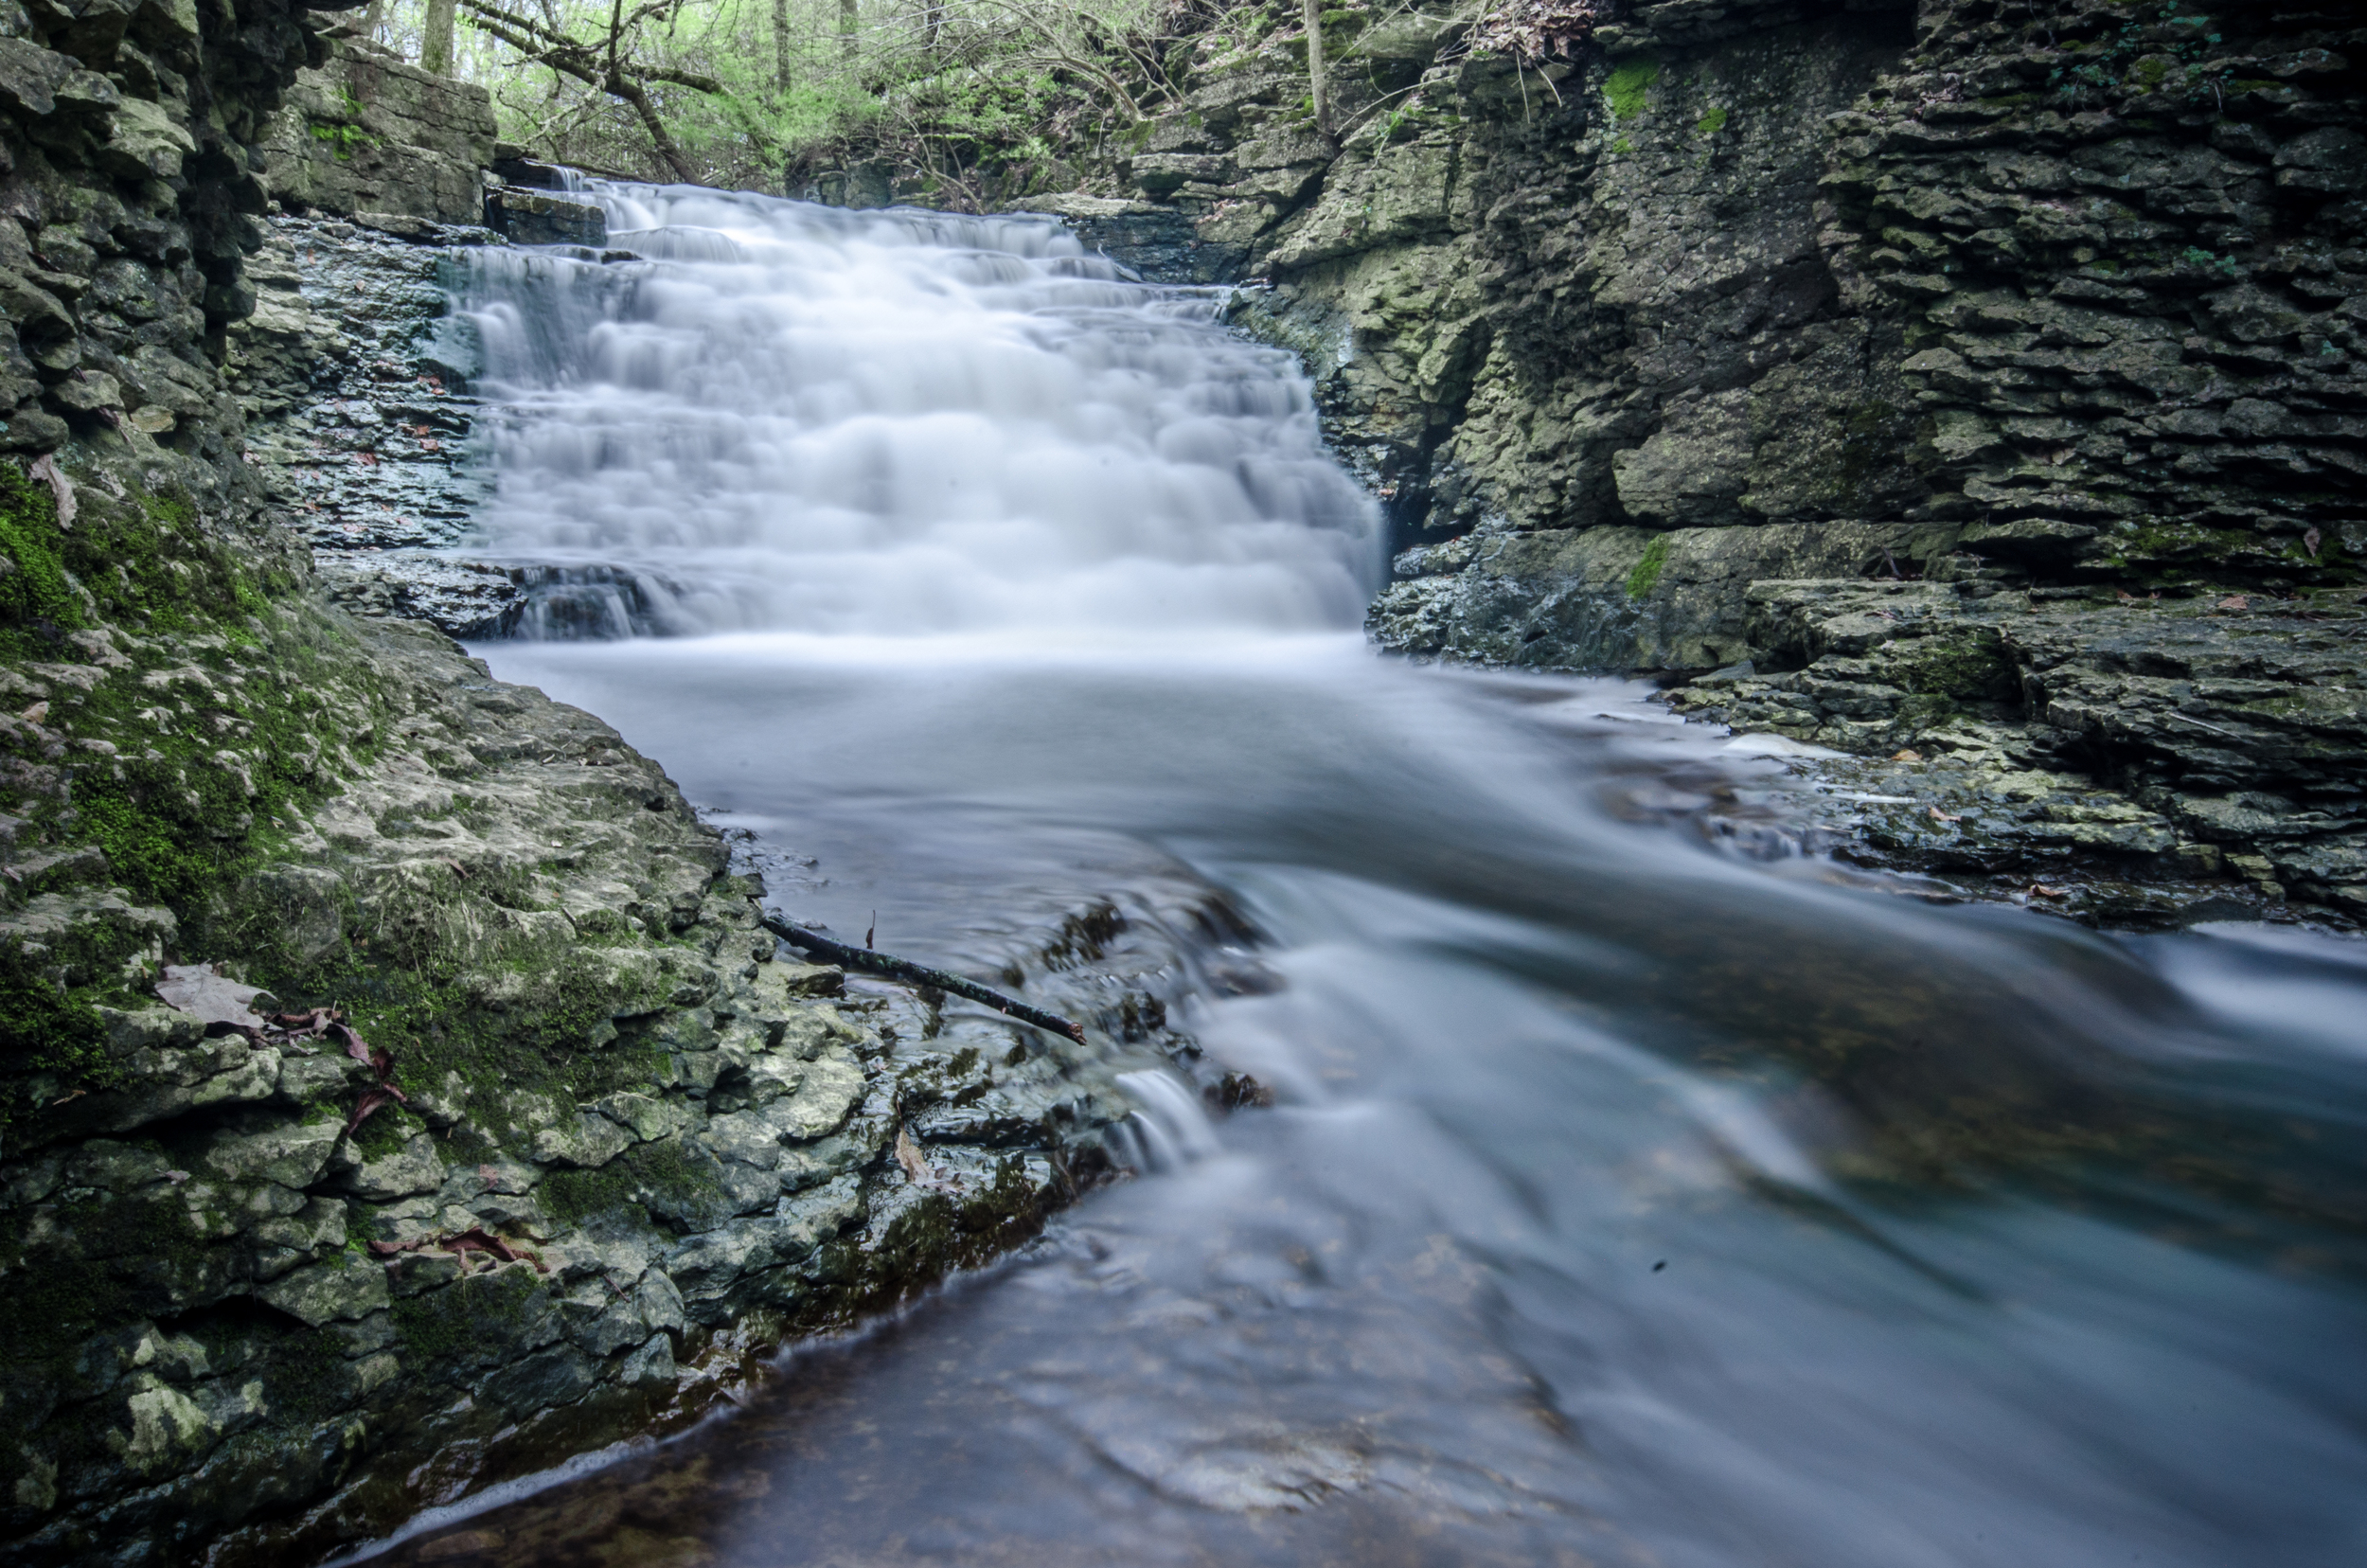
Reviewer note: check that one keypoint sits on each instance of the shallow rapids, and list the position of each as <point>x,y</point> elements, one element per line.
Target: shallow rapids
<point>1625,1202</point>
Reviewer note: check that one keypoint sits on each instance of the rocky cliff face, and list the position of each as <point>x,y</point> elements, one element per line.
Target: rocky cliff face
<point>1727,336</point>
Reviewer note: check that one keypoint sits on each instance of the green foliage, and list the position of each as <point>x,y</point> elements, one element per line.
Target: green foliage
<point>466,1319</point>
<point>2167,54</point>
<point>1646,574</point>
<point>1711,123</point>
<point>343,139</point>
<point>1628,89</point>
<point>960,104</point>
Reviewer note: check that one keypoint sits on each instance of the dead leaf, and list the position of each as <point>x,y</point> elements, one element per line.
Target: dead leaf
<point>1938,816</point>
<point>461,1243</point>
<point>200,990</point>
<point>1909,756</point>
<point>908,1155</point>
<point>2236,601</point>
<point>2043,891</point>
<point>370,1106</point>
<point>48,471</point>
<point>2310,541</point>
<point>35,714</point>
<point>344,1036</point>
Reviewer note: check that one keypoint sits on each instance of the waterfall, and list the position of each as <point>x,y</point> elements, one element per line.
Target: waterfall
<point>797,419</point>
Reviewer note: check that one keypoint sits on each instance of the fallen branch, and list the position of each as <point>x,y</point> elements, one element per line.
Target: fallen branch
<point>904,969</point>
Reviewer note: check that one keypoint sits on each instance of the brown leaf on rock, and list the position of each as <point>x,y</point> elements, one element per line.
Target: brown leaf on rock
<point>2236,601</point>
<point>1909,756</point>
<point>2310,541</point>
<point>1938,816</point>
<point>461,1243</point>
<point>370,1102</point>
<point>344,1036</point>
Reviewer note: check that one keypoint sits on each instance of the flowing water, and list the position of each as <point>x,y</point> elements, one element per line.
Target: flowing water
<point>1625,1201</point>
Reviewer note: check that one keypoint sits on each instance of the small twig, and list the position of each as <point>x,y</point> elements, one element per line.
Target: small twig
<point>2213,728</point>
<point>903,968</point>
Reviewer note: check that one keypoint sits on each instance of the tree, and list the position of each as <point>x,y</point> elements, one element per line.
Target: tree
<point>435,38</point>
<point>605,61</point>
<point>1316,87</point>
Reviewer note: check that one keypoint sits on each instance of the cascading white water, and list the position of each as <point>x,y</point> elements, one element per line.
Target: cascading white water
<point>897,424</point>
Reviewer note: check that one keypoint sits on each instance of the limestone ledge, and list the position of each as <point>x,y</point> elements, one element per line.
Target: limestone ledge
<point>698,1156</point>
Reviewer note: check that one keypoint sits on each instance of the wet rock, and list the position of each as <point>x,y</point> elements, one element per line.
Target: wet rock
<point>348,1286</point>
<point>533,217</point>
<point>584,1140</point>
<point>412,1169</point>
<point>652,1366</point>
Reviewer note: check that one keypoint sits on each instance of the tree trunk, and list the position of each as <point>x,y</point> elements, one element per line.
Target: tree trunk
<point>780,79</point>
<point>1318,89</point>
<point>435,38</point>
<point>847,21</point>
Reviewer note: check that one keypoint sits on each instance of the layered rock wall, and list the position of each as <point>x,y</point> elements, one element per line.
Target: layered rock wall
<point>2043,311</point>
<point>367,132</point>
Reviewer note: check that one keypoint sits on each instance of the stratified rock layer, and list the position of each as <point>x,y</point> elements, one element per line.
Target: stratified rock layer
<point>2028,308</point>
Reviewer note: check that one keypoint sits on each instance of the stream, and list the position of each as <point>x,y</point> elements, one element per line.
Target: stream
<point>1635,1193</point>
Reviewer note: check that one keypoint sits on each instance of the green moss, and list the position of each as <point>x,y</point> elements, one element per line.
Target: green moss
<point>1621,144</point>
<point>452,1323</point>
<point>36,590</point>
<point>1646,574</point>
<point>1711,123</point>
<point>308,1379</point>
<point>1629,88</point>
<point>178,821</point>
<point>656,1171</point>
<point>1969,670</point>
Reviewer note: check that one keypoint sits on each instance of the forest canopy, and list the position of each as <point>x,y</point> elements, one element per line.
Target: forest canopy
<point>969,101</point>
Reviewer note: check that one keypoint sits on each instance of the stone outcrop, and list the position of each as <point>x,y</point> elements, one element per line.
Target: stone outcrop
<point>367,132</point>
<point>2024,309</point>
